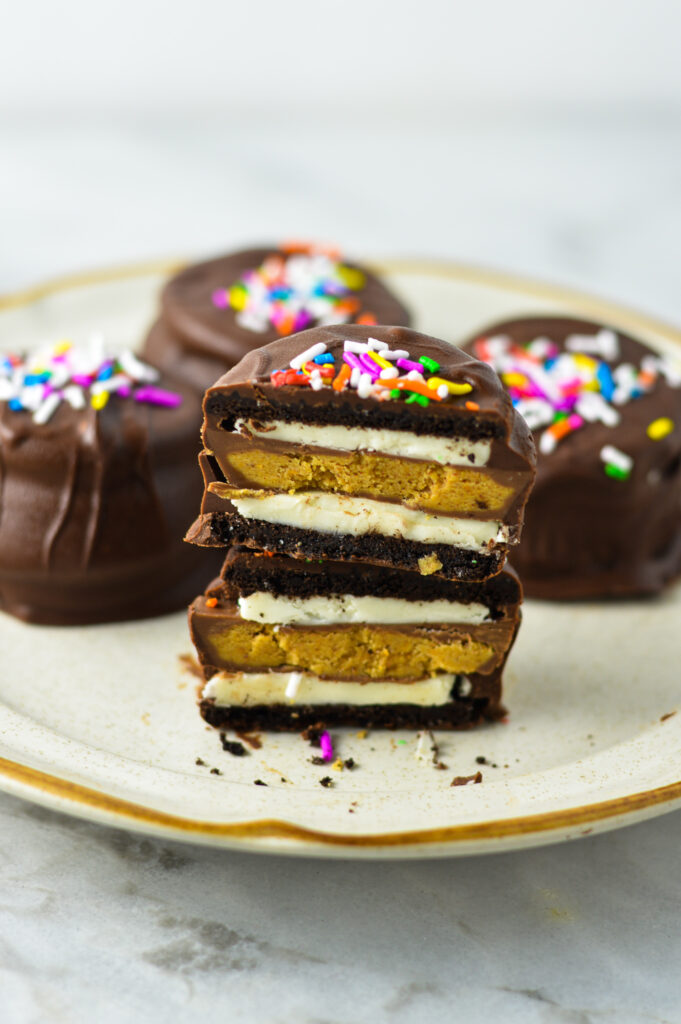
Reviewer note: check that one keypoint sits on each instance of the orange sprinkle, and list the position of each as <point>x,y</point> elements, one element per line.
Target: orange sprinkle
<point>343,376</point>
<point>645,377</point>
<point>349,304</point>
<point>473,406</point>
<point>211,602</point>
<point>402,384</point>
<point>366,318</point>
<point>559,429</point>
<point>285,326</point>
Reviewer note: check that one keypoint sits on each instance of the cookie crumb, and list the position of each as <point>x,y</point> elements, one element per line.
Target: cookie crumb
<point>200,762</point>
<point>463,780</point>
<point>215,771</point>
<point>326,782</point>
<point>350,763</point>
<point>232,746</point>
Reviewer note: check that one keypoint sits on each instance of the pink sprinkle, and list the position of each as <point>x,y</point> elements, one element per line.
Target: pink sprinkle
<point>158,396</point>
<point>408,364</point>
<point>84,380</point>
<point>369,365</point>
<point>327,746</point>
<point>352,360</point>
<point>220,298</point>
<point>124,392</point>
<point>302,320</point>
<point>575,421</point>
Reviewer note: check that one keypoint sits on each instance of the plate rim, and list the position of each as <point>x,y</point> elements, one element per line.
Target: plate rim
<point>66,795</point>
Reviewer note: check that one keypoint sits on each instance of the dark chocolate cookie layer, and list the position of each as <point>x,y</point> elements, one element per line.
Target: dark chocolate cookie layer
<point>196,341</point>
<point>588,534</point>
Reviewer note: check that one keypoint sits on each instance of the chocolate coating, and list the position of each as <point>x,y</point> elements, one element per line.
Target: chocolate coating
<point>588,535</point>
<point>196,341</point>
<point>93,506</point>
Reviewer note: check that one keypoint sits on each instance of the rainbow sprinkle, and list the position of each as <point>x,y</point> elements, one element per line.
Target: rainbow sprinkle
<point>293,290</point>
<point>40,381</point>
<point>326,745</point>
<point>371,369</point>
<point>558,392</point>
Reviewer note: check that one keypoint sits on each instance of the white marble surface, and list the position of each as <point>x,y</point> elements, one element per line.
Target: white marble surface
<point>100,925</point>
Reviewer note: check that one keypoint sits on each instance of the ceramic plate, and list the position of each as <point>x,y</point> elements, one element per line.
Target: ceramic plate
<point>101,721</point>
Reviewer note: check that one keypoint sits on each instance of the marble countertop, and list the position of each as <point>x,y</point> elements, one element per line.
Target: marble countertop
<point>102,925</point>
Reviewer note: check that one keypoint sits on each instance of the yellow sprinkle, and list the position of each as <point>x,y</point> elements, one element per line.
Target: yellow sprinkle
<point>454,389</point>
<point>99,400</point>
<point>351,278</point>
<point>514,379</point>
<point>380,360</point>
<point>584,360</point>
<point>62,346</point>
<point>362,734</point>
<point>592,385</point>
<point>237,297</point>
<point>660,428</point>
<point>337,765</point>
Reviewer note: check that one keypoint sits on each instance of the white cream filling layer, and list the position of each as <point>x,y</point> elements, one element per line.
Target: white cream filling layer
<point>339,513</point>
<point>244,689</point>
<point>346,608</point>
<point>451,451</point>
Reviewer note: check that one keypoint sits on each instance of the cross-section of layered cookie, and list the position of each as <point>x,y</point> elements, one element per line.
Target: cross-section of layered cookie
<point>284,643</point>
<point>372,444</point>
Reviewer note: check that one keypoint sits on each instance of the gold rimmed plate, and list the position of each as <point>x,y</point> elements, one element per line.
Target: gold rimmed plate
<point>101,721</point>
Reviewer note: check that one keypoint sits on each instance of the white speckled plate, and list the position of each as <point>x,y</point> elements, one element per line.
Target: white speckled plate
<point>101,721</point>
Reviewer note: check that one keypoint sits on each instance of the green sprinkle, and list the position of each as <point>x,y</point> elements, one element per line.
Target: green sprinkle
<point>616,472</point>
<point>559,416</point>
<point>402,743</point>
<point>395,393</point>
<point>429,364</point>
<point>421,399</point>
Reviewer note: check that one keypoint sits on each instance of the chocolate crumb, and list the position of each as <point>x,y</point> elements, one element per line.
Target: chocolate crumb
<point>200,762</point>
<point>317,760</point>
<point>215,771</point>
<point>259,782</point>
<point>349,763</point>
<point>463,780</point>
<point>490,764</point>
<point>326,782</point>
<point>670,714</point>
<point>232,746</point>
<point>313,733</point>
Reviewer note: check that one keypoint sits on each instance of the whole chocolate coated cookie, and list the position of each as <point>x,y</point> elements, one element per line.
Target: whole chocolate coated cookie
<point>213,313</point>
<point>97,486</point>
<point>604,518</point>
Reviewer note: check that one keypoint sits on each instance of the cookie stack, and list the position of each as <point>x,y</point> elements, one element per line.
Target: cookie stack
<point>367,483</point>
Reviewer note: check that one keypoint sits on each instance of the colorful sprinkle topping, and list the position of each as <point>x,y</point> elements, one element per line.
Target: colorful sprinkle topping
<point>372,369</point>
<point>326,745</point>
<point>40,381</point>
<point>558,392</point>
<point>298,288</point>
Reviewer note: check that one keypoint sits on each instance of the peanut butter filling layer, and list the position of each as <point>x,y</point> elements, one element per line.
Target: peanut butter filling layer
<point>358,652</point>
<point>420,485</point>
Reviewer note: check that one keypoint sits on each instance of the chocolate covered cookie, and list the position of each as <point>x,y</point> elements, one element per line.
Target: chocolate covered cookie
<point>604,518</point>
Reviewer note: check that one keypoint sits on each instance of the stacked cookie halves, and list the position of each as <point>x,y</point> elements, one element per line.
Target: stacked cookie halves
<point>367,483</point>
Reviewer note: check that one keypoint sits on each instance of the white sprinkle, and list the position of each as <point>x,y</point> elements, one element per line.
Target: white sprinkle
<point>252,321</point>
<point>536,412</point>
<point>365,385</point>
<point>119,380</point>
<point>292,685</point>
<point>442,391</point>
<point>45,411</point>
<point>355,346</point>
<point>355,374</point>
<point>540,347</point>
<point>31,397</point>
<point>314,350</point>
<point>655,364</point>
<point>135,368</point>
<point>604,344</point>
<point>398,353</point>
<point>593,407</point>
<point>7,389</point>
<point>378,346</point>
<point>425,739</point>
<point>415,375</point>
<point>316,382</point>
<point>389,372</point>
<point>74,396</point>
<point>547,443</point>
<point>616,458</point>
